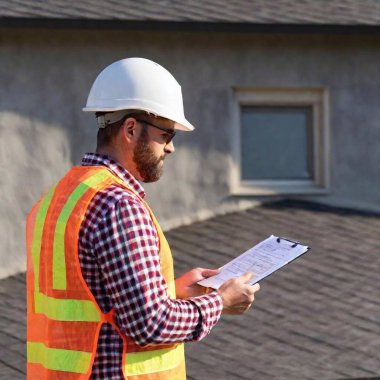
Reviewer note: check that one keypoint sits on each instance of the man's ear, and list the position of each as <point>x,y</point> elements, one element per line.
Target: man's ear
<point>129,129</point>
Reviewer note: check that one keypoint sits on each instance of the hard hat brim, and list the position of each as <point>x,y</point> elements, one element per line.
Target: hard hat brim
<point>181,125</point>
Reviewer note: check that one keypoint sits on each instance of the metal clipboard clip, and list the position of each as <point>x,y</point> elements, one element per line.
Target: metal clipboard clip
<point>295,243</point>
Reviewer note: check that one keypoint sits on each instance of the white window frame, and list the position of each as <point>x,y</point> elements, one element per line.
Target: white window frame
<point>318,100</point>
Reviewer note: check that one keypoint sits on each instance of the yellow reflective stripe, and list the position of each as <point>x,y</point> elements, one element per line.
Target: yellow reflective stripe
<point>171,289</point>
<point>37,235</point>
<point>59,263</point>
<point>66,309</point>
<point>141,363</point>
<point>58,359</point>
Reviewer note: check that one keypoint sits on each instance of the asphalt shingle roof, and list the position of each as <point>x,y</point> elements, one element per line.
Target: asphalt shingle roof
<point>319,12</point>
<point>318,318</point>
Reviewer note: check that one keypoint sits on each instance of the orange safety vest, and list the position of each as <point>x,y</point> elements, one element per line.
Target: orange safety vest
<point>64,319</point>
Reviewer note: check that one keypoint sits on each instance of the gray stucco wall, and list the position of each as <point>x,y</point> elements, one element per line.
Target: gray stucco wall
<point>46,76</point>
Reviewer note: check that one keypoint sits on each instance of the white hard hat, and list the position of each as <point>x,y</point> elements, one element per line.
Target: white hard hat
<point>138,84</point>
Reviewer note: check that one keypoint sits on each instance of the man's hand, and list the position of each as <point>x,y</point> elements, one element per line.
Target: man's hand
<point>237,295</point>
<point>186,285</point>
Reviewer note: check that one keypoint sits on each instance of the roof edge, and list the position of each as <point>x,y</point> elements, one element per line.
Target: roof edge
<point>58,23</point>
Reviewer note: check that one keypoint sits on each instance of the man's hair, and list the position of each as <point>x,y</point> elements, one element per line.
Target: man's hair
<point>106,135</point>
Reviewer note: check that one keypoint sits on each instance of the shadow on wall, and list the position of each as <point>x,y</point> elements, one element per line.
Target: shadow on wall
<point>34,155</point>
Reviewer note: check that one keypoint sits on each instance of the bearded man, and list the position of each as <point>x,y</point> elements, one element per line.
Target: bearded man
<point>102,299</point>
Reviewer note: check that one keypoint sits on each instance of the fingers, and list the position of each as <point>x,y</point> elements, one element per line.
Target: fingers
<point>246,277</point>
<point>251,290</point>
<point>209,272</point>
<point>247,301</point>
<point>237,294</point>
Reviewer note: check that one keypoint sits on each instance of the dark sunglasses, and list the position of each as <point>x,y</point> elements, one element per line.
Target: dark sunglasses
<point>170,132</point>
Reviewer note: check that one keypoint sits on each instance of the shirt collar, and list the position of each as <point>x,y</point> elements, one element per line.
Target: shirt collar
<point>95,159</point>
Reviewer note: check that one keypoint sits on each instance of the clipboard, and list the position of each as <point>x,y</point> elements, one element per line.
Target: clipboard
<point>262,260</point>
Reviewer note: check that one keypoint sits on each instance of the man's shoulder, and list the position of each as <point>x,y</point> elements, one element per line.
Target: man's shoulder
<point>115,193</point>
<point>112,197</point>
<point>112,208</point>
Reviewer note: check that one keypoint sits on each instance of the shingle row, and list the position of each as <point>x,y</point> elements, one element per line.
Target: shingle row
<point>331,12</point>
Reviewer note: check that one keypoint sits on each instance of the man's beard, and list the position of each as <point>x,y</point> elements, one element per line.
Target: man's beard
<point>148,165</point>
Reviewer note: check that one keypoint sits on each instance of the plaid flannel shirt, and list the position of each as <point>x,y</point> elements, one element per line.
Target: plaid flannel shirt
<point>119,258</point>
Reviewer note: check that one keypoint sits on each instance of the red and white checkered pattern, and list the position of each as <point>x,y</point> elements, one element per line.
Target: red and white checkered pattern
<point>119,258</point>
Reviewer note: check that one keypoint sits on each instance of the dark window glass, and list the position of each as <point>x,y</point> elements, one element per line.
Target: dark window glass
<point>276,143</point>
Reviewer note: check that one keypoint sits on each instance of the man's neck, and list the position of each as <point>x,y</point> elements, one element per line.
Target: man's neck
<point>126,162</point>
<point>110,153</point>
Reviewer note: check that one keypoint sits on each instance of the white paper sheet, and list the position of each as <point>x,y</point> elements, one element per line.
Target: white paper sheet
<point>262,260</point>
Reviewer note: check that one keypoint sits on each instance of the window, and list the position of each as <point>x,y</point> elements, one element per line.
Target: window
<point>280,141</point>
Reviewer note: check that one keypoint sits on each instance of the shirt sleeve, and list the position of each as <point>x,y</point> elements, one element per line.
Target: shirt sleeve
<point>127,252</point>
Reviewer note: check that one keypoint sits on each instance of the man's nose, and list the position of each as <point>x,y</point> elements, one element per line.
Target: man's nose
<point>169,148</point>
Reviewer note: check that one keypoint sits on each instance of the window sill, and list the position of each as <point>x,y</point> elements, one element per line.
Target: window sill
<point>270,187</point>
